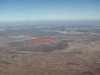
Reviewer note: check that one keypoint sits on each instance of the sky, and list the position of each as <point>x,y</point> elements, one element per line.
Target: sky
<point>29,10</point>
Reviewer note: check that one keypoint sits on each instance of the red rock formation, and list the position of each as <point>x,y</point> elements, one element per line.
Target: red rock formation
<point>41,41</point>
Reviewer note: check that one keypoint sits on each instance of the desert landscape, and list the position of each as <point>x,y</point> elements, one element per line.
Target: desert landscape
<point>50,50</point>
<point>49,37</point>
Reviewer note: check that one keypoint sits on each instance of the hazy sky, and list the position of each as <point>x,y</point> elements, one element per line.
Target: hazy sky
<point>20,10</point>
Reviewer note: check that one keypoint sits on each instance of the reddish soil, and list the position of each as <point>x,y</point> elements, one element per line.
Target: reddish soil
<point>41,41</point>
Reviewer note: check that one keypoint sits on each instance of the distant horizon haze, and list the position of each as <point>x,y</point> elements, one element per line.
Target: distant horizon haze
<point>46,10</point>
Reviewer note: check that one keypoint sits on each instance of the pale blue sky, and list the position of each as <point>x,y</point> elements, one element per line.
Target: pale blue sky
<point>28,10</point>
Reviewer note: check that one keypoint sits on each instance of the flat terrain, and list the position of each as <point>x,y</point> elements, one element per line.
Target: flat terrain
<point>80,56</point>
